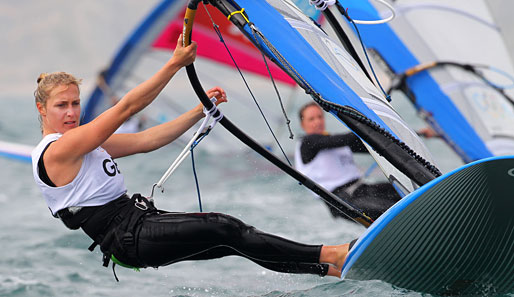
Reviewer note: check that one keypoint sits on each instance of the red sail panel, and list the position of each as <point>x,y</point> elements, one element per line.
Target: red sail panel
<point>245,54</point>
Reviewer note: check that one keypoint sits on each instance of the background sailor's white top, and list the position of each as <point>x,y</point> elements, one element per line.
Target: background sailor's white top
<point>330,168</point>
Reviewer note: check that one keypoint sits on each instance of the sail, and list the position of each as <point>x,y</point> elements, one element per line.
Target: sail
<point>150,45</point>
<point>331,76</point>
<point>129,56</point>
<point>211,48</point>
<point>450,59</point>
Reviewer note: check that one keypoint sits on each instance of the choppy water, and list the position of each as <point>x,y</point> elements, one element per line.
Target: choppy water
<point>43,258</point>
<point>40,257</point>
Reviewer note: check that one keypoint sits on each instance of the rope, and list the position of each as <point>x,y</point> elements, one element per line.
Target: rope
<point>499,71</point>
<point>241,12</point>
<point>288,122</point>
<point>403,8</point>
<point>196,177</point>
<point>218,32</point>
<point>344,12</point>
<point>324,4</point>
<point>475,69</point>
<point>197,137</point>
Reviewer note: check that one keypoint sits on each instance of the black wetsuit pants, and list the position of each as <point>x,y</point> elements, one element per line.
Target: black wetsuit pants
<point>372,199</point>
<point>147,237</point>
<point>166,238</point>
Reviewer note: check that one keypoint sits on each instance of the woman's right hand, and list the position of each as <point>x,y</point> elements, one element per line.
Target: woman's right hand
<point>184,55</point>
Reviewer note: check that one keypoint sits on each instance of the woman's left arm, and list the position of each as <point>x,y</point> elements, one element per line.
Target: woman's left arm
<point>121,145</point>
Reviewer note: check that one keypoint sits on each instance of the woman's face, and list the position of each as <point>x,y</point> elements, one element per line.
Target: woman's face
<point>62,110</point>
<point>313,120</point>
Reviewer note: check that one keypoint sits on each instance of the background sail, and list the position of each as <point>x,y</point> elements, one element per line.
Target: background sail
<point>210,47</point>
<point>129,56</point>
<point>327,71</point>
<point>475,119</point>
<point>150,46</point>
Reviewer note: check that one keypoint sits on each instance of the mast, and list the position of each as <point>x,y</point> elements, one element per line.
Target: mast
<point>329,197</point>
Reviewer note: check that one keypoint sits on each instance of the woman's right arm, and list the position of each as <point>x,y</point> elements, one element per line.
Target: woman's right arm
<point>63,158</point>
<point>86,138</point>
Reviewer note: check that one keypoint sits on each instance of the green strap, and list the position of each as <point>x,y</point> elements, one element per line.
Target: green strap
<point>123,264</point>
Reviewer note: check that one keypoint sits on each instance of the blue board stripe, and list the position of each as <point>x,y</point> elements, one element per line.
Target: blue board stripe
<point>375,229</point>
<point>456,238</point>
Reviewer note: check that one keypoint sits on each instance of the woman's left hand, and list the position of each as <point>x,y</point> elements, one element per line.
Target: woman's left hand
<point>219,93</point>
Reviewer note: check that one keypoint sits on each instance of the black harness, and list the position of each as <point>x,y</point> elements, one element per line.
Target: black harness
<point>113,226</point>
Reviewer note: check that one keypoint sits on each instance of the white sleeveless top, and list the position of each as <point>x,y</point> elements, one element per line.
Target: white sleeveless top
<point>330,168</point>
<point>98,181</point>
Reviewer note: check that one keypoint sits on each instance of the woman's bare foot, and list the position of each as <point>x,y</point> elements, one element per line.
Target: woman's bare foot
<point>332,271</point>
<point>342,251</point>
<point>334,255</point>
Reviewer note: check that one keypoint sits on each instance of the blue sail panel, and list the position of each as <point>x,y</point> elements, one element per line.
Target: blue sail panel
<point>303,58</point>
<point>429,95</point>
<point>330,74</point>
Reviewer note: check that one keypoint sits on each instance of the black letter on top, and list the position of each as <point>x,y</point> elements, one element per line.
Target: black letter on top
<point>113,168</point>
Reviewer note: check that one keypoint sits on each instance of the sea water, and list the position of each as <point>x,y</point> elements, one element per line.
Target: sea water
<point>41,257</point>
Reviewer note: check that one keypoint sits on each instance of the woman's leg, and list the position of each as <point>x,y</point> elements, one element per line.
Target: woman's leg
<point>286,267</point>
<point>375,199</point>
<point>173,237</point>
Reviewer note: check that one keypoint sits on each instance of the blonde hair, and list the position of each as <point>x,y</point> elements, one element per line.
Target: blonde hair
<point>46,82</point>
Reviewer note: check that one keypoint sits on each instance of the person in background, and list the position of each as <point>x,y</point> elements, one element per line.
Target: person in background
<point>74,166</point>
<point>328,160</point>
<point>427,132</point>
